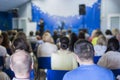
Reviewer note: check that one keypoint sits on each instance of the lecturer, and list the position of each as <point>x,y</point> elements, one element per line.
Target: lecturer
<point>41,26</point>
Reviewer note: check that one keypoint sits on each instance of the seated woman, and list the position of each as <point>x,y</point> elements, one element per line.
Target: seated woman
<point>100,47</point>
<point>48,47</point>
<point>111,59</point>
<point>63,59</point>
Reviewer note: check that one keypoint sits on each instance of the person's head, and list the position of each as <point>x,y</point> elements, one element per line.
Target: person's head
<point>64,32</point>
<point>69,31</point>
<point>115,31</point>
<point>37,33</point>
<point>96,33</point>
<point>21,44</point>
<point>55,32</point>
<point>47,37</point>
<point>41,20</point>
<point>21,64</point>
<point>31,33</point>
<point>118,37</point>
<point>102,40</point>
<point>108,32</point>
<point>112,45</point>
<point>84,50</point>
<point>6,40</point>
<point>64,43</point>
<point>21,35</point>
<point>81,35</point>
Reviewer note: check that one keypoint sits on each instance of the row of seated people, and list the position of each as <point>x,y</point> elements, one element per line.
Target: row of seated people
<point>48,51</point>
<point>59,58</point>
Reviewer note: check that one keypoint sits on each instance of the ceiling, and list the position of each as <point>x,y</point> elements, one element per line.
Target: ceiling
<point>6,5</point>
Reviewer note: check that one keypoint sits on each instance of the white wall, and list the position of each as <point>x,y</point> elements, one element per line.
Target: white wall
<point>25,15</point>
<point>25,10</point>
<point>108,7</point>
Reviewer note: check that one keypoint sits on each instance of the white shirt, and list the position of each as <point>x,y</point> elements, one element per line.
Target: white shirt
<point>99,50</point>
<point>63,60</point>
<point>46,49</point>
<point>3,51</point>
<point>4,76</point>
<point>110,60</point>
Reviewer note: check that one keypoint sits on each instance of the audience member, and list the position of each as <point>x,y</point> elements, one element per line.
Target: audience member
<point>115,31</point>
<point>55,36</point>
<point>63,59</point>
<point>100,47</point>
<point>69,33</point>
<point>94,40</point>
<point>32,37</point>
<point>108,34</point>
<point>84,52</point>
<point>3,51</point>
<point>21,44</point>
<point>24,37</point>
<point>73,38</point>
<point>48,44</point>
<point>21,63</point>
<point>111,59</point>
<point>39,42</point>
<point>92,35</point>
<point>81,35</point>
<point>4,76</point>
<point>6,43</point>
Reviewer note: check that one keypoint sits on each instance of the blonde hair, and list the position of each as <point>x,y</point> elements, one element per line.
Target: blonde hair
<point>47,37</point>
<point>115,31</point>
<point>102,40</point>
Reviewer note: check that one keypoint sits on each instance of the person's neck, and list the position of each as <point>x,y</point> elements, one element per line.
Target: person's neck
<point>22,76</point>
<point>86,62</point>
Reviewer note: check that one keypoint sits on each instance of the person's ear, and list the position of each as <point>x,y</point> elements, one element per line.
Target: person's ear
<point>76,56</point>
<point>32,66</point>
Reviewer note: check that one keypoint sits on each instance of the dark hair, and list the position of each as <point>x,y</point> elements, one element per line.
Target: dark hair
<point>84,49</point>
<point>64,42</point>
<point>73,39</point>
<point>98,33</point>
<point>6,40</point>
<point>81,35</point>
<point>113,45</point>
<point>21,35</point>
<point>20,43</point>
<point>31,33</point>
<point>108,32</point>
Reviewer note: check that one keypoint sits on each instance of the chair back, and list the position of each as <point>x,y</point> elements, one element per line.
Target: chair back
<point>116,72</point>
<point>56,74</point>
<point>96,59</point>
<point>44,63</point>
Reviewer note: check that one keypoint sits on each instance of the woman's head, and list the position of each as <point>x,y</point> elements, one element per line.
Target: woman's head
<point>47,37</point>
<point>101,40</point>
<point>64,42</point>
<point>21,44</point>
<point>113,45</point>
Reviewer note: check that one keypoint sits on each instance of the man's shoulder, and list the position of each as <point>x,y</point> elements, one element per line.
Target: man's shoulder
<point>89,71</point>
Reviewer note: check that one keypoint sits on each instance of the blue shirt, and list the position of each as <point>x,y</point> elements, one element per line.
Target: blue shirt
<point>89,72</point>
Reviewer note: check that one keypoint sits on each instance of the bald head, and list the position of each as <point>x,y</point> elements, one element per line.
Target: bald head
<point>21,62</point>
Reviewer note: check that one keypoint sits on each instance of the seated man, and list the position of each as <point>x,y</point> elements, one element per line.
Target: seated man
<point>21,64</point>
<point>84,52</point>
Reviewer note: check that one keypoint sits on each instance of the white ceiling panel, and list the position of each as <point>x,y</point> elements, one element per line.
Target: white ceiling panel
<point>6,5</point>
